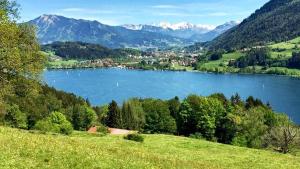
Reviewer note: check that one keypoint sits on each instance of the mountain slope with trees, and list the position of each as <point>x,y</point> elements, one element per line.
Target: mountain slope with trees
<point>276,21</point>
<point>53,28</point>
<point>87,51</point>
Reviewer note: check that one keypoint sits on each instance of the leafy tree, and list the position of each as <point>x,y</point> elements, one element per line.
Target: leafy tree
<point>200,115</point>
<point>102,112</point>
<point>252,128</point>
<point>15,118</point>
<point>158,117</point>
<point>114,118</point>
<point>56,122</point>
<point>83,117</point>
<point>20,55</point>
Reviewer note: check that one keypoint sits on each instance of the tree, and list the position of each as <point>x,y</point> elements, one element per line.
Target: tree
<point>56,123</point>
<point>252,128</point>
<point>20,55</point>
<point>174,106</point>
<point>15,118</point>
<point>282,138</point>
<point>83,117</point>
<point>201,115</point>
<point>133,115</point>
<point>114,118</point>
<point>158,117</point>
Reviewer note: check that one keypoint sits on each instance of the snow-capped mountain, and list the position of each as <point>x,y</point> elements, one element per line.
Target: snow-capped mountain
<point>185,25</point>
<point>192,32</point>
<point>53,28</point>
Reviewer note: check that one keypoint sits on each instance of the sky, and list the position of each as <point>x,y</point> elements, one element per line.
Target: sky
<point>118,12</point>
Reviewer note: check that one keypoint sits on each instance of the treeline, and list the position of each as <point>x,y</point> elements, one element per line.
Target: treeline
<point>262,57</point>
<point>29,110</point>
<point>87,51</point>
<point>215,118</point>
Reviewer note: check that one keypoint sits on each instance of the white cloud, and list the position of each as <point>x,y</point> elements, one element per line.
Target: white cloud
<point>166,7</point>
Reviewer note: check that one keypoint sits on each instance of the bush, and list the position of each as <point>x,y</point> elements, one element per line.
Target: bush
<point>56,123</point>
<point>15,118</point>
<point>134,137</point>
<point>197,135</point>
<point>102,129</point>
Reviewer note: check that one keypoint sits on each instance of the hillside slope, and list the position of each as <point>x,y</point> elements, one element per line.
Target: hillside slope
<point>22,149</point>
<point>276,21</point>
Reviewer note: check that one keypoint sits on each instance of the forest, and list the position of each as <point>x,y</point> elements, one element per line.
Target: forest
<point>87,51</point>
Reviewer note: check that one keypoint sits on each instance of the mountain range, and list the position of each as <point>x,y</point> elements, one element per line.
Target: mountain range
<point>52,28</point>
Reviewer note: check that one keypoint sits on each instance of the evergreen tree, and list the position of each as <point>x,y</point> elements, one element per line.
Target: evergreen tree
<point>114,118</point>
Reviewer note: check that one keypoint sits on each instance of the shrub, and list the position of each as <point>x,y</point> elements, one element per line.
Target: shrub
<point>197,135</point>
<point>102,129</point>
<point>15,118</point>
<point>134,137</point>
<point>56,123</point>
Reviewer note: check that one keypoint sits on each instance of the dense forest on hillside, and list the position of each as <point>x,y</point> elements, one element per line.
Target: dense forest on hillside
<point>276,21</point>
<point>87,51</point>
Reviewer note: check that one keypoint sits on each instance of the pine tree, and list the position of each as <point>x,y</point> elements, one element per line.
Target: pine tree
<point>114,115</point>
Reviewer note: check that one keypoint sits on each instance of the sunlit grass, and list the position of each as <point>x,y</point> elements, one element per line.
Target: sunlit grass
<point>22,149</point>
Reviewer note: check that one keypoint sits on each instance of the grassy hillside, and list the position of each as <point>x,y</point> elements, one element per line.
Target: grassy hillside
<point>22,149</point>
<point>279,51</point>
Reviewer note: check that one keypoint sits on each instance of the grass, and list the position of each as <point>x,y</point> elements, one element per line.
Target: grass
<point>22,149</point>
<point>62,64</point>
<point>279,51</point>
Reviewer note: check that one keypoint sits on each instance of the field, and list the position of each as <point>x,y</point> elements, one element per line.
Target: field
<point>279,51</point>
<point>23,149</point>
<point>62,64</point>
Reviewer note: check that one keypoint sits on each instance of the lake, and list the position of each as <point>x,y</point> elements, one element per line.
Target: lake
<point>101,86</point>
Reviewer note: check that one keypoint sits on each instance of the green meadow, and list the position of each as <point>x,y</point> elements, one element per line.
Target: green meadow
<point>25,149</point>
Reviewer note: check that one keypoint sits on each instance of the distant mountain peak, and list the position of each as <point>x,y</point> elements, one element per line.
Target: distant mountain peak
<point>49,18</point>
<point>184,25</point>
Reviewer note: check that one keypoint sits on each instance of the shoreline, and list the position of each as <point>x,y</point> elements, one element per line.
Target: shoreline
<point>176,70</point>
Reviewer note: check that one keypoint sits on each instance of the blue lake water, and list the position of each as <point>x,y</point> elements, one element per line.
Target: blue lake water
<point>101,86</point>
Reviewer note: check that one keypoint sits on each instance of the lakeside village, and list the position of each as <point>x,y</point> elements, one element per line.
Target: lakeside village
<point>153,60</point>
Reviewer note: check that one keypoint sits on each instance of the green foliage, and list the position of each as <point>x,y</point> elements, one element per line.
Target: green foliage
<point>83,117</point>
<point>200,115</point>
<point>56,123</point>
<point>158,117</point>
<point>274,22</point>
<point>252,128</point>
<point>102,129</point>
<point>254,57</point>
<point>134,137</point>
<point>15,118</point>
<point>133,115</point>
<point>114,117</point>
<point>87,51</point>
<point>294,62</point>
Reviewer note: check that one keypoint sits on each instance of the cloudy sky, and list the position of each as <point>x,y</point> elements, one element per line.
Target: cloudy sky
<point>117,12</point>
